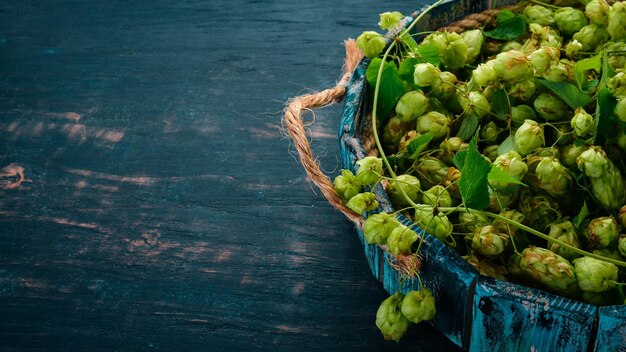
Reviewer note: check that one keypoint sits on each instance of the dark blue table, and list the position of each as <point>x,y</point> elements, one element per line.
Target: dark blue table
<point>147,198</point>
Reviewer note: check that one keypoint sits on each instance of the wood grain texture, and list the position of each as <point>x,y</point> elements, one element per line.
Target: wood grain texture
<point>147,198</point>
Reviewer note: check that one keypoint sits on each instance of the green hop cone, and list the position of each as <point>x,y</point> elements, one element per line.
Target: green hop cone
<point>393,132</point>
<point>617,21</point>
<point>390,20</point>
<point>488,241</point>
<point>436,225</point>
<point>569,20</point>
<point>608,190</point>
<point>598,12</point>
<point>617,85</point>
<point>474,39</point>
<point>419,306</point>
<point>551,176</point>
<point>549,269</point>
<point>378,227</point>
<point>347,185</point>
<point>475,102</point>
<point>572,48</point>
<point>591,36</point>
<point>595,275</point>
<point>389,319</point>
<point>369,170</point>
<point>593,162</point>
<point>523,90</point>
<point>363,202</point>
<point>490,132</point>
<point>425,74</point>
<point>411,106</point>
<point>499,201</point>
<point>542,58</point>
<point>565,232</point>
<point>620,109</point>
<point>401,239</point>
<point>512,66</point>
<point>521,113</point>
<point>485,74</point>
<point>411,186</point>
<point>539,210</point>
<point>512,45</point>
<point>505,227</point>
<point>469,221</point>
<point>453,49</point>
<point>371,43</point>
<point>559,71</point>
<point>602,232</point>
<point>582,123</point>
<point>437,196</point>
<point>607,185</point>
<point>511,163</point>
<point>528,137</point>
<point>621,245</point>
<point>444,88</point>
<point>539,14</point>
<point>570,153</point>
<point>436,123</point>
<point>550,107</point>
<point>431,171</point>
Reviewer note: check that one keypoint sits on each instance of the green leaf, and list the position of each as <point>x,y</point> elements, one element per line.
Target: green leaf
<point>582,215</point>
<point>459,159</point>
<point>592,63</point>
<point>590,85</point>
<point>510,26</point>
<point>568,92</point>
<point>392,87</point>
<point>607,124</point>
<point>500,176</point>
<point>429,53</point>
<point>473,183</point>
<point>417,145</point>
<point>500,103</point>
<point>507,145</point>
<point>468,126</point>
<point>406,70</point>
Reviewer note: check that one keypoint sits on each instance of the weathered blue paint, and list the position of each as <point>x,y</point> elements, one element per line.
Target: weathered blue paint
<point>611,329</point>
<point>510,317</point>
<point>476,312</point>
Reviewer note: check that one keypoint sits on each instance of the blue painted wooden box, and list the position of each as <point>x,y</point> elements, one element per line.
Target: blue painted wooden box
<point>476,312</point>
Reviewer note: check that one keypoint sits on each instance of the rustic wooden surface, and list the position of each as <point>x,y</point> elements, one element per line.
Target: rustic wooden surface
<point>147,198</point>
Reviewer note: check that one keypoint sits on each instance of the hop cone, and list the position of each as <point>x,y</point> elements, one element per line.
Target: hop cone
<point>595,275</point>
<point>564,232</point>
<point>389,319</point>
<point>488,241</point>
<point>602,232</point>
<point>378,227</point>
<point>418,306</point>
<point>549,269</point>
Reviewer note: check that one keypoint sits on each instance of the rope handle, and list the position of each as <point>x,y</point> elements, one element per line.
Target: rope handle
<point>292,119</point>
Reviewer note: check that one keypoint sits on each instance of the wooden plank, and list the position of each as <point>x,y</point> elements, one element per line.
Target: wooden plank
<point>510,317</point>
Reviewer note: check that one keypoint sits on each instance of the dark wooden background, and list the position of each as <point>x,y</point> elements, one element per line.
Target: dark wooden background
<point>147,198</point>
